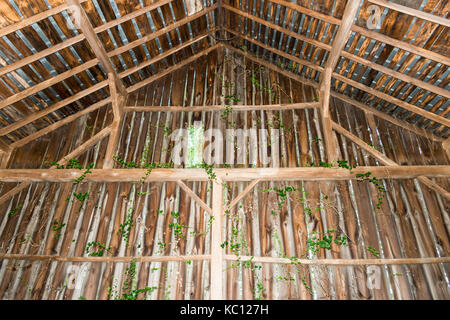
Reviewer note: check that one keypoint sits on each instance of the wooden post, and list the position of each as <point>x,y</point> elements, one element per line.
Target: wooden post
<point>330,144</point>
<point>446,146</point>
<point>117,102</point>
<point>325,82</point>
<point>216,287</point>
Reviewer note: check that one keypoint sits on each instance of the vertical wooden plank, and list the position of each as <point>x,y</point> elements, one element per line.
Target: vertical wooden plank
<point>216,238</point>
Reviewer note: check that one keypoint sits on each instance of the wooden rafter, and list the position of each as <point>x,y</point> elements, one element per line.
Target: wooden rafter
<point>166,53</point>
<point>274,50</point>
<point>225,174</point>
<point>343,33</point>
<point>277,27</point>
<point>340,96</point>
<point>397,75</point>
<point>96,44</point>
<point>382,115</point>
<point>402,45</point>
<point>385,160</point>
<point>61,104</point>
<point>405,105</point>
<point>339,42</point>
<point>413,12</point>
<point>41,54</point>
<point>374,92</point>
<point>77,96</point>
<point>161,32</point>
<point>272,66</point>
<point>117,103</point>
<point>312,13</point>
<point>171,69</point>
<point>71,41</point>
<point>47,83</point>
<point>33,19</point>
<point>60,123</point>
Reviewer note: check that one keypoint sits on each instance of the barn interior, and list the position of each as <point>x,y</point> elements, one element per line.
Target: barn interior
<point>199,149</point>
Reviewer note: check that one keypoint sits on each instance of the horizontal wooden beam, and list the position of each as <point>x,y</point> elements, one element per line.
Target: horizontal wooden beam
<point>185,258</point>
<point>287,106</point>
<point>31,257</point>
<point>338,262</point>
<point>413,12</point>
<point>171,69</point>
<point>237,174</point>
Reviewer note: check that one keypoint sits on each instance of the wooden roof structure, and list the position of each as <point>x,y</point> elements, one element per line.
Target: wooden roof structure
<point>100,81</point>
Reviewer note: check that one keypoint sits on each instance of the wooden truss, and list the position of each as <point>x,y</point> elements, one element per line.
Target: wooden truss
<point>117,99</point>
